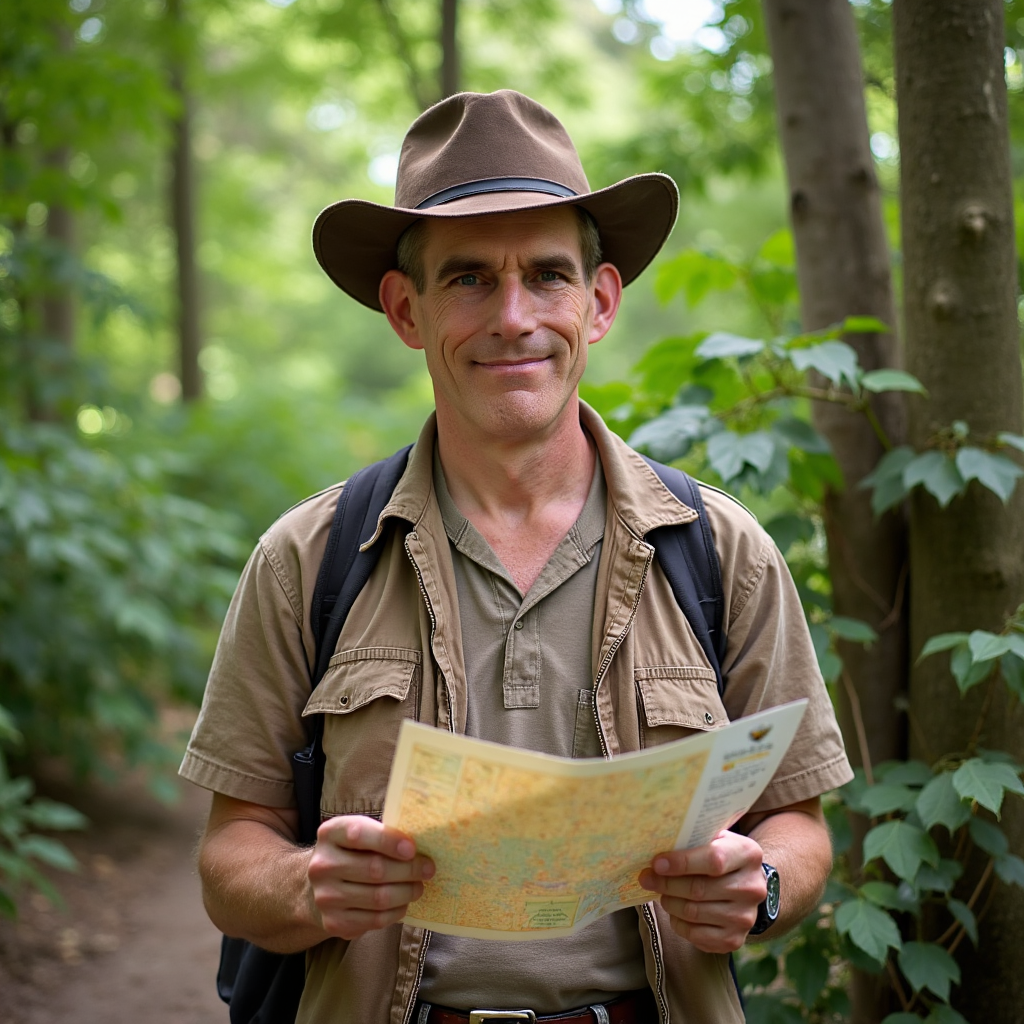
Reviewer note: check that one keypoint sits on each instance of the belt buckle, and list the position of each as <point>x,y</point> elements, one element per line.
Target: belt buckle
<point>481,1016</point>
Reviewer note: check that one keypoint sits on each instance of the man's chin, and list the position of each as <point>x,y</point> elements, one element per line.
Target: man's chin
<point>515,416</point>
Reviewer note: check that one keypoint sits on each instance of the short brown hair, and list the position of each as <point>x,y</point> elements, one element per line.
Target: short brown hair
<point>409,252</point>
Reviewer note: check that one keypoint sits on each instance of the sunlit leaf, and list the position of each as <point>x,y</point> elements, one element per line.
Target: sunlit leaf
<point>670,435</point>
<point>864,325</point>
<point>937,474</point>
<point>852,629</point>
<point>891,380</point>
<point>942,642</point>
<point>729,452</point>
<point>695,273</point>
<point>832,359</point>
<point>721,345</point>
<point>1013,440</point>
<point>996,472</point>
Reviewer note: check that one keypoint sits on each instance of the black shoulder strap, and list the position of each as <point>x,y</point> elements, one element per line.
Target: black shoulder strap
<point>343,574</point>
<point>687,556</point>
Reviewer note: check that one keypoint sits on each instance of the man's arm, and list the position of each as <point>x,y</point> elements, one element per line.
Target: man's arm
<point>711,893</point>
<point>258,884</point>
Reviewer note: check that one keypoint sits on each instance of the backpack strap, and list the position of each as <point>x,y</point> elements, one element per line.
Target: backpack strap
<point>687,556</point>
<point>343,574</point>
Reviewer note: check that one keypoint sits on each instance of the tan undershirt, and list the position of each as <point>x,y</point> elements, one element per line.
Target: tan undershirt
<point>528,666</point>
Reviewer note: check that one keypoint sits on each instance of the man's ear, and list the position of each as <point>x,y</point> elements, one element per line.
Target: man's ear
<point>607,294</point>
<point>398,299</point>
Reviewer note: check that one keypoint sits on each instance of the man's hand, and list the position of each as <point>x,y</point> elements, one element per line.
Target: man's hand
<point>363,875</point>
<point>711,893</point>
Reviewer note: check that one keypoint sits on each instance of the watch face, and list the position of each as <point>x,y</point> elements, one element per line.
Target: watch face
<point>771,877</point>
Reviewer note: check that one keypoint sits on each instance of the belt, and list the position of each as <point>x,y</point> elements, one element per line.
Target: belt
<point>632,1008</point>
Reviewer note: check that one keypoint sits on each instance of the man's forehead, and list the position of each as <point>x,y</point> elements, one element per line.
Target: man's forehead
<point>525,229</point>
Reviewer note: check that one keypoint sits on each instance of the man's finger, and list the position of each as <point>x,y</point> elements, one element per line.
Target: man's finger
<point>727,852</point>
<point>357,832</point>
<point>353,923</point>
<point>744,886</point>
<point>734,917</point>
<point>353,896</point>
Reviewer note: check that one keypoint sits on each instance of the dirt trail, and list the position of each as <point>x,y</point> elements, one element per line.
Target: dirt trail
<point>133,945</point>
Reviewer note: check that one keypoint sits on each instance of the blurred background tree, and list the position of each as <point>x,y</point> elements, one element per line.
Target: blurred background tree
<point>175,370</point>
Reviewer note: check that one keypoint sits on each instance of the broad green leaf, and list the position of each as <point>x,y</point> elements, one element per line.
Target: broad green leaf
<point>868,927</point>
<point>996,472</point>
<point>852,629</point>
<point>1012,668</point>
<point>941,878</point>
<point>989,836</point>
<point>884,799</point>
<point>940,804</point>
<point>807,967</point>
<point>966,671</point>
<point>8,908</point>
<point>670,435</point>
<point>721,345</point>
<point>768,1008</point>
<point>965,916</point>
<point>1010,868</point>
<point>49,851</point>
<point>832,359</point>
<point>779,248</point>
<point>891,380</point>
<point>886,479</point>
<point>928,965</point>
<point>864,325</point>
<point>729,452</point>
<point>987,646</point>
<point>936,473</point>
<point>902,846</point>
<point>48,814</point>
<point>985,782</point>
<point>942,642</point>
<point>1013,440</point>
<point>789,528</point>
<point>887,895</point>
<point>757,973</point>
<point>695,273</point>
<point>800,434</point>
<point>942,1013</point>
<point>907,773</point>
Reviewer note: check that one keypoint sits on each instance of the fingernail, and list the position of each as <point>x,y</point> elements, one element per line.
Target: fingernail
<point>428,869</point>
<point>406,850</point>
<point>661,865</point>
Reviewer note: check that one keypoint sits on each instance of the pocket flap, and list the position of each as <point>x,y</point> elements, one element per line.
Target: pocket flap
<point>681,695</point>
<point>354,678</point>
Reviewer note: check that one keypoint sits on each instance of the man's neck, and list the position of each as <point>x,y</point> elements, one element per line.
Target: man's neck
<point>522,494</point>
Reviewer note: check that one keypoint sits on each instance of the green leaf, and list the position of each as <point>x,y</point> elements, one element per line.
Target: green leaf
<point>49,814</point>
<point>985,782</point>
<point>864,325</point>
<point>966,671</point>
<point>868,928</point>
<point>941,878</point>
<point>940,804</point>
<point>695,273</point>
<point>1010,868</point>
<point>1013,440</point>
<point>729,452</point>
<point>834,360</point>
<point>902,846</point>
<point>988,646</point>
<point>852,629</point>
<point>942,642</point>
<point>722,345</point>
<point>887,479</point>
<point>807,967</point>
<point>928,965</point>
<point>49,851</point>
<point>989,836</point>
<point>907,773</point>
<point>800,434</point>
<point>670,435</point>
<point>887,895</point>
<point>965,916</point>
<point>789,528</point>
<point>891,380</point>
<point>945,1014</point>
<point>937,474</point>
<point>1012,668</point>
<point>884,799</point>
<point>996,472</point>
<point>768,1008</point>
<point>758,973</point>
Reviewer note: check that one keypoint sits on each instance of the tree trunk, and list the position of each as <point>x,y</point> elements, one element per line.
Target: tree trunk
<point>843,268</point>
<point>183,214</point>
<point>962,341</point>
<point>449,48</point>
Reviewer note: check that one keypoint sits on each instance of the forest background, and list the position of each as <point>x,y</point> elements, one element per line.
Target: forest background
<point>177,371</point>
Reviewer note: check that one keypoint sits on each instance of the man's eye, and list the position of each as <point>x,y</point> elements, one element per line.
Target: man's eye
<point>468,279</point>
<point>549,276</point>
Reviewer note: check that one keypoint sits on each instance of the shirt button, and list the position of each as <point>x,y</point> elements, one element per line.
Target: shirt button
<point>518,624</point>
<point>708,717</point>
<point>343,701</point>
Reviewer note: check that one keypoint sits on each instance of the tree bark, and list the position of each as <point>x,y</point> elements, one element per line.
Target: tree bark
<point>183,215</point>
<point>450,71</point>
<point>843,268</point>
<point>963,342</point>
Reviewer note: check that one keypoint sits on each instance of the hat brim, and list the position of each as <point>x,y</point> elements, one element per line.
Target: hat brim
<point>355,240</point>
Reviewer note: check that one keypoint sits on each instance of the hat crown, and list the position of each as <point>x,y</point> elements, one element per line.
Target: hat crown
<point>475,136</point>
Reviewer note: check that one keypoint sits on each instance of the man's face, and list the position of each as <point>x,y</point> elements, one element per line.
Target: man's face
<point>504,320</point>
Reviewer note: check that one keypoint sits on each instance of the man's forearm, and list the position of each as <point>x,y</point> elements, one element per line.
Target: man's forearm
<point>795,841</point>
<point>256,886</point>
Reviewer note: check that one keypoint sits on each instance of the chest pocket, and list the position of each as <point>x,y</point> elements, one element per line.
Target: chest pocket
<point>364,696</point>
<point>677,700</point>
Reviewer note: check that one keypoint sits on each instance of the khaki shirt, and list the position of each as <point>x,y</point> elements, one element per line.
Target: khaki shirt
<point>400,656</point>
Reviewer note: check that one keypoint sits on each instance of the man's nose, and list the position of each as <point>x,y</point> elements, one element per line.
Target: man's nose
<point>513,312</point>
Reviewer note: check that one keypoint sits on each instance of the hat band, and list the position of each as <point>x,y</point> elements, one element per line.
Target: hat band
<point>475,188</point>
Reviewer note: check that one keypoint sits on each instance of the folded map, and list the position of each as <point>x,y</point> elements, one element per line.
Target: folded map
<point>530,846</point>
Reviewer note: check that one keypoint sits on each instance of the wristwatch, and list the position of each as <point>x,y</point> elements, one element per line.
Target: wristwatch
<point>768,909</point>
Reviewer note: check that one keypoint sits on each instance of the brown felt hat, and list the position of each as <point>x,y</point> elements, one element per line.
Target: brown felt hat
<point>483,153</point>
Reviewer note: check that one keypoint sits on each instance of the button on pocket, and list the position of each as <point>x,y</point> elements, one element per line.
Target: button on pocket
<point>677,700</point>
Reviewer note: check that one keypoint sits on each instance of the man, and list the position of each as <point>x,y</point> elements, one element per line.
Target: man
<point>522,606</point>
